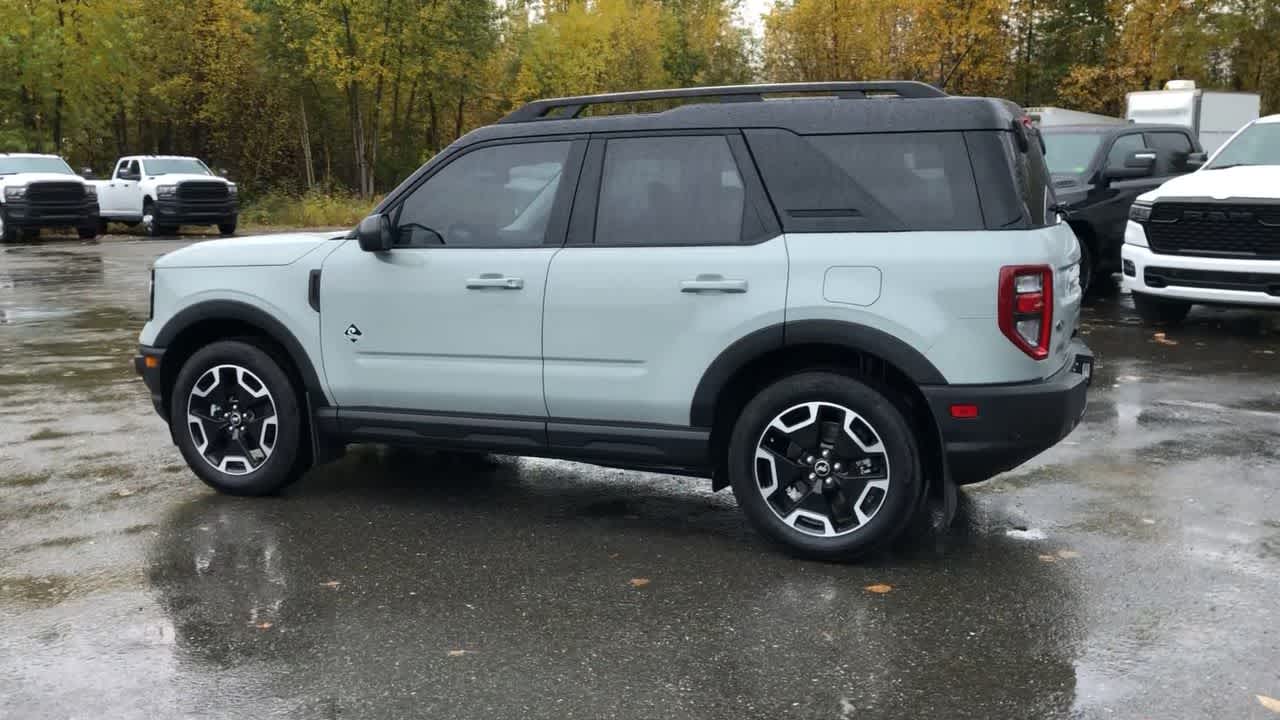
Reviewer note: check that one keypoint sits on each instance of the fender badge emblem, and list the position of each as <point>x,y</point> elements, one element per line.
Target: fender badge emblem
<point>353,333</point>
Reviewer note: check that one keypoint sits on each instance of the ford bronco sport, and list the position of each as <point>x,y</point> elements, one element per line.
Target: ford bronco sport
<point>841,299</point>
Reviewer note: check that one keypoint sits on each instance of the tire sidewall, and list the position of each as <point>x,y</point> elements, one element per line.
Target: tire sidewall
<point>280,466</point>
<point>901,500</point>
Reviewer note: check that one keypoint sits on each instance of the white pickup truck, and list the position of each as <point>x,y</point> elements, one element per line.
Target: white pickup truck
<point>39,191</point>
<point>162,192</point>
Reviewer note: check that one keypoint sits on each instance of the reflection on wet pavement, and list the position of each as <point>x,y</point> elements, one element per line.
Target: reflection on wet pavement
<point>1132,571</point>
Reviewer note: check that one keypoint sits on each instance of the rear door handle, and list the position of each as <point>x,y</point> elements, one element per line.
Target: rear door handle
<point>495,281</point>
<point>713,284</point>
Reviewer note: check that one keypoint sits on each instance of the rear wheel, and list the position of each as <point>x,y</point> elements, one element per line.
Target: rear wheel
<point>237,420</point>
<point>1158,311</point>
<point>826,465</point>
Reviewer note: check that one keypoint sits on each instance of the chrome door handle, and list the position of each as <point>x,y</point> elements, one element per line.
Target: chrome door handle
<point>495,281</point>
<point>713,284</point>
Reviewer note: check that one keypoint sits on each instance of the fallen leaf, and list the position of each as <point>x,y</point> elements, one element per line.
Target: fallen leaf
<point>614,556</point>
<point>333,584</point>
<point>1269,703</point>
<point>460,652</point>
<point>639,582</point>
<point>262,625</point>
<point>1148,521</point>
<point>1047,558</point>
<point>1160,338</point>
<point>124,492</point>
<point>878,588</point>
<point>1068,554</point>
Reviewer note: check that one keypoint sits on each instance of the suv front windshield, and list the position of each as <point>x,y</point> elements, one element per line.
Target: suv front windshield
<point>15,165</point>
<point>174,166</point>
<point>1069,153</point>
<point>1258,144</point>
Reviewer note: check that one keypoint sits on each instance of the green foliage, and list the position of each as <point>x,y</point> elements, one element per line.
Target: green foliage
<point>295,95</point>
<point>311,209</point>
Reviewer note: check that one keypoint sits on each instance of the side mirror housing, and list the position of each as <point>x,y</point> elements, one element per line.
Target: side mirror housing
<point>86,173</point>
<point>1138,164</point>
<point>1196,160</point>
<point>374,233</point>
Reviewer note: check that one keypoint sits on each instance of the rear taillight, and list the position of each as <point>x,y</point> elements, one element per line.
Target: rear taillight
<point>1026,307</point>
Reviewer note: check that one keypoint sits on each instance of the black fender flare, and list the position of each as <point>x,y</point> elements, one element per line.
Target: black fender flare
<point>851,336</point>
<point>248,314</point>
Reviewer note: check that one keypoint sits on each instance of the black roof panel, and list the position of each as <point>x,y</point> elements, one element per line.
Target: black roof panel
<point>800,115</point>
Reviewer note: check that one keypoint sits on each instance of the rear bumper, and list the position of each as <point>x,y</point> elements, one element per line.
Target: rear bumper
<point>21,213</point>
<point>1014,422</point>
<point>147,363</point>
<point>186,212</point>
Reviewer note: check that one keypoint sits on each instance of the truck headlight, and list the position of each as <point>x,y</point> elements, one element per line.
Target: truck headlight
<point>15,193</point>
<point>232,191</point>
<point>1140,212</point>
<point>166,191</point>
<point>91,191</point>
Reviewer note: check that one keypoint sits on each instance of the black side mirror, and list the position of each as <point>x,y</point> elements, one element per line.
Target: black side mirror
<point>222,173</point>
<point>1138,164</point>
<point>86,173</point>
<point>1196,160</point>
<point>374,233</point>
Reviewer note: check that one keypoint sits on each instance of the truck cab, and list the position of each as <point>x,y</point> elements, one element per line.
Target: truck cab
<point>163,192</point>
<point>1098,171</point>
<point>42,191</point>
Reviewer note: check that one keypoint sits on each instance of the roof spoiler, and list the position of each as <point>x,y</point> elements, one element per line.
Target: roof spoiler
<point>570,107</point>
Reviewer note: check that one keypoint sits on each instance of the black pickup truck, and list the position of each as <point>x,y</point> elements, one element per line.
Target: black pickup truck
<point>1097,172</point>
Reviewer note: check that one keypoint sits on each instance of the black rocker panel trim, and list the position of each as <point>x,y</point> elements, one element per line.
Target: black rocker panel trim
<point>850,336</point>
<point>250,315</point>
<point>637,446</point>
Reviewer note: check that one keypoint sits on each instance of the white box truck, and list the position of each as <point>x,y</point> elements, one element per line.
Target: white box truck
<point>1046,116</point>
<point>1212,115</point>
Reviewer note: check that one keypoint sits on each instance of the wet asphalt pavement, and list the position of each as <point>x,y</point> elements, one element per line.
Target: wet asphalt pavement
<point>1133,571</point>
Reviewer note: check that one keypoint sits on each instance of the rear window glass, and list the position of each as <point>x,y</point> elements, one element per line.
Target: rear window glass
<point>868,182</point>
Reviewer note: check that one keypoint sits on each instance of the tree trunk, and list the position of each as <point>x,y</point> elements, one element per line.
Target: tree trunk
<point>310,169</point>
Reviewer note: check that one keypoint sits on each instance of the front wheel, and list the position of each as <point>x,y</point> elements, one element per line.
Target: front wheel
<point>150,223</point>
<point>8,232</point>
<point>237,420</point>
<point>826,465</point>
<point>227,228</point>
<point>1158,311</point>
<point>88,232</point>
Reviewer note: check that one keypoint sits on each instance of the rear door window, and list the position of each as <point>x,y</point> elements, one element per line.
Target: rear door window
<point>868,182</point>
<point>1172,149</point>
<point>677,190</point>
<point>1124,145</point>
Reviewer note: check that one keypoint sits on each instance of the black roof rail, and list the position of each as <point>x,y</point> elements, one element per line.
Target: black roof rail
<point>570,107</point>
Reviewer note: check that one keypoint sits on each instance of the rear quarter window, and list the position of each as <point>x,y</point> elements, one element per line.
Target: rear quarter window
<point>868,182</point>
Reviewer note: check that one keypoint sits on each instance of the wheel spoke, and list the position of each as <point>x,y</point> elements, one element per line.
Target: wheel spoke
<point>241,435</point>
<point>822,468</point>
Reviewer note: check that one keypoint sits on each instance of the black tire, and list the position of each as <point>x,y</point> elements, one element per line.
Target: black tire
<point>1158,311</point>
<point>284,460</point>
<point>228,228</point>
<point>30,234</point>
<point>8,232</point>
<point>87,232</point>
<point>900,499</point>
<point>102,225</point>
<point>152,227</point>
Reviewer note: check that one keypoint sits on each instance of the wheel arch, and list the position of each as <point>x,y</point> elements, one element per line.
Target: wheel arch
<point>213,320</point>
<point>866,353</point>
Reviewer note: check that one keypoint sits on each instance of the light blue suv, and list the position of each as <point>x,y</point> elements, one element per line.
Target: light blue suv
<point>841,299</point>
